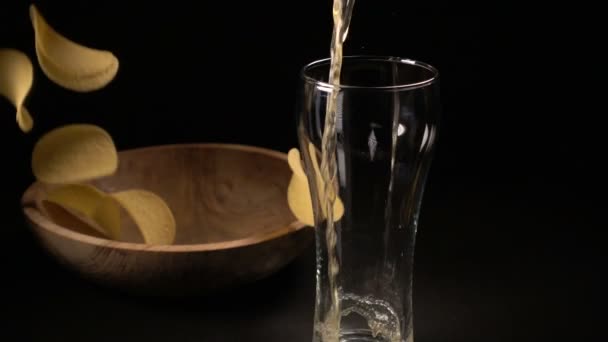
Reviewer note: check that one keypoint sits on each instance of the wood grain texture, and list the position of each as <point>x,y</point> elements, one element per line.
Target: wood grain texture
<point>233,222</point>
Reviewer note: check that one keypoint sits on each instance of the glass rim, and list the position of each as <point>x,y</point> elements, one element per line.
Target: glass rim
<point>372,58</point>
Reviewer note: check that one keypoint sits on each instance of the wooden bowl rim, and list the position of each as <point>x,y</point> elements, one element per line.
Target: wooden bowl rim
<point>35,216</point>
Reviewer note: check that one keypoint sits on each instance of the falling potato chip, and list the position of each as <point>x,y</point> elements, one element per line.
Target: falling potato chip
<point>293,159</point>
<point>74,153</point>
<point>298,198</point>
<point>16,77</point>
<point>69,64</point>
<point>108,216</point>
<point>86,209</point>
<point>81,197</point>
<point>90,202</point>
<point>65,217</point>
<point>298,192</point>
<point>150,213</point>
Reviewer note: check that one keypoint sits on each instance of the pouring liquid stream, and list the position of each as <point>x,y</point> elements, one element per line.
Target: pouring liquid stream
<point>341,13</point>
<point>382,321</point>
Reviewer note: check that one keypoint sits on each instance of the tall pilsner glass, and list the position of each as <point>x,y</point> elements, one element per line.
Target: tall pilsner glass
<point>386,124</point>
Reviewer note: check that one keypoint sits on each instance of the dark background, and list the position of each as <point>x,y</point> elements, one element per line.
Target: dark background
<point>508,246</point>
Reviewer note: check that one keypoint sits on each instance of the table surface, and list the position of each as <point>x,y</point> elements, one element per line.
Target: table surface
<point>481,274</point>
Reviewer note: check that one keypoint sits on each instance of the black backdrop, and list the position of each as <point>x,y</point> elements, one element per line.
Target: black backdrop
<point>507,240</point>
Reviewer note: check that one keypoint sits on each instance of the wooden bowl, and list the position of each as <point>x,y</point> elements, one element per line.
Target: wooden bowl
<point>230,206</point>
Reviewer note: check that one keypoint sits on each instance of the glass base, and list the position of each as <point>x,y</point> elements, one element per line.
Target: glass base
<point>365,319</point>
<point>365,336</point>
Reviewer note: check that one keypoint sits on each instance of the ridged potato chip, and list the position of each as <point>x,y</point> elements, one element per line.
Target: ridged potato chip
<point>16,78</point>
<point>69,64</point>
<point>88,201</point>
<point>73,154</point>
<point>107,215</point>
<point>298,192</point>
<point>88,210</point>
<point>150,213</point>
<point>66,217</point>
<point>295,164</point>
<point>300,203</point>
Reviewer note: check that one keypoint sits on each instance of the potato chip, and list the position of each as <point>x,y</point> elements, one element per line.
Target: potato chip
<point>294,161</point>
<point>108,216</point>
<point>69,64</point>
<point>298,191</point>
<point>92,203</point>
<point>16,78</point>
<point>150,213</point>
<point>80,197</point>
<point>66,217</point>
<point>73,154</point>
<point>298,198</point>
